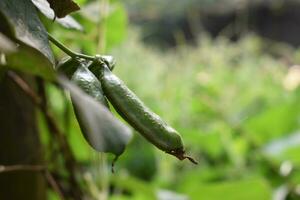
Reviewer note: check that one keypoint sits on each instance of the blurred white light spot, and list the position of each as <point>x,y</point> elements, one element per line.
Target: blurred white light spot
<point>6,45</point>
<point>292,79</point>
<point>203,77</point>
<point>286,168</point>
<point>281,193</point>
<point>2,168</point>
<point>169,195</point>
<point>278,146</point>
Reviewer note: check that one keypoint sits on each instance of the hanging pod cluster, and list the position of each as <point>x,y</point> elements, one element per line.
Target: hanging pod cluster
<point>97,80</point>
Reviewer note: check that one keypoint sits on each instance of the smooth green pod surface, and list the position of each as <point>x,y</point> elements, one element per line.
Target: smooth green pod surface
<point>140,117</point>
<point>89,83</point>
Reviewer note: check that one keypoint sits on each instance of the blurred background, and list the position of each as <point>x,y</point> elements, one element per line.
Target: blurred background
<point>224,73</point>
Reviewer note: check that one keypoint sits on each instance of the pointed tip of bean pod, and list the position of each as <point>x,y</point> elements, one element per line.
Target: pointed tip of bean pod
<point>113,164</point>
<point>191,159</point>
<point>183,157</point>
<point>180,154</point>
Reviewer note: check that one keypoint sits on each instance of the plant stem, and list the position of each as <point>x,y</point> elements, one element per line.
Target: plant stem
<point>67,50</point>
<point>10,168</point>
<point>102,25</point>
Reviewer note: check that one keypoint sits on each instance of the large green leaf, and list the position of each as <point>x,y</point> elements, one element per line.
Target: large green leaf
<point>29,60</point>
<point>33,55</point>
<point>106,132</point>
<point>275,121</point>
<point>27,27</point>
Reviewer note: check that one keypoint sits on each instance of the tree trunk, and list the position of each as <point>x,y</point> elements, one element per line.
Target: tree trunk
<point>19,144</point>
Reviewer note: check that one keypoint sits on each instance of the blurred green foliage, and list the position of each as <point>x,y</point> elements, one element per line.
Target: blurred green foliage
<point>232,103</point>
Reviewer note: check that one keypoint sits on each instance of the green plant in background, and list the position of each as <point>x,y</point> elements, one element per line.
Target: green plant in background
<point>230,103</point>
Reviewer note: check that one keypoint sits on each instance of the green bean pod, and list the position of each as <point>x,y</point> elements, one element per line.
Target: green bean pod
<point>89,83</point>
<point>140,117</point>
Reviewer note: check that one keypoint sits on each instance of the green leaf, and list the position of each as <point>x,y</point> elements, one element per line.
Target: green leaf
<point>115,22</point>
<point>29,56</point>
<point>138,188</point>
<point>274,122</point>
<point>63,7</point>
<point>116,25</point>
<point>247,189</point>
<point>143,164</point>
<point>67,21</point>
<point>29,60</point>
<point>27,27</point>
<point>106,132</point>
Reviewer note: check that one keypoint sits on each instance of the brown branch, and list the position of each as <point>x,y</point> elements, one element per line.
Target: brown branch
<point>53,184</point>
<point>34,168</point>
<point>25,87</point>
<point>11,168</point>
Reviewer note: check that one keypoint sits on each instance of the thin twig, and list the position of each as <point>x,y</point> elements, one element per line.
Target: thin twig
<point>35,168</point>
<point>53,184</point>
<point>25,87</point>
<point>10,168</point>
